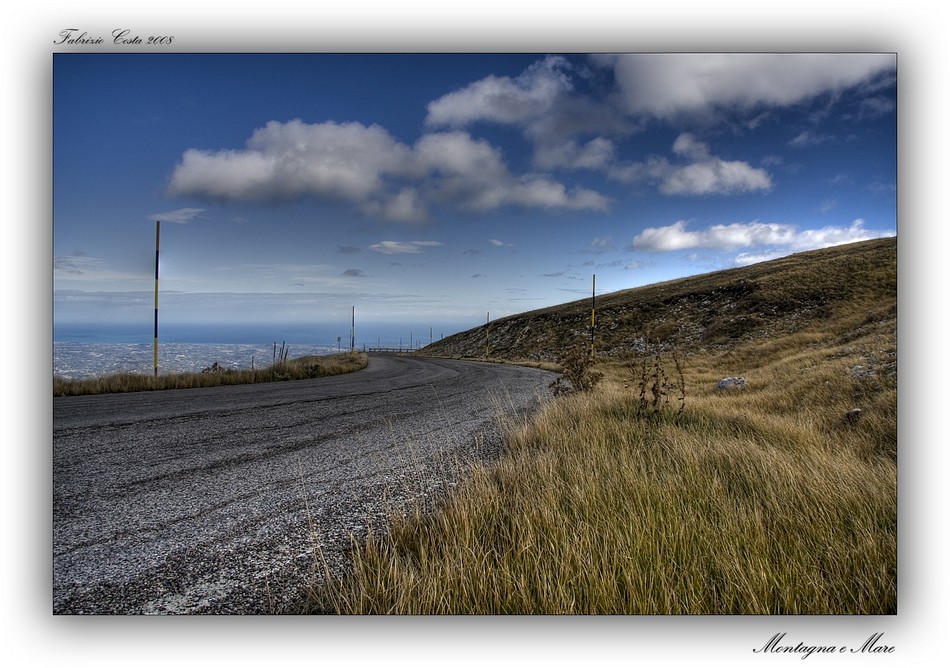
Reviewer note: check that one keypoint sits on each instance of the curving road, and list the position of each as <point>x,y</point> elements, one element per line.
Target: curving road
<point>231,500</point>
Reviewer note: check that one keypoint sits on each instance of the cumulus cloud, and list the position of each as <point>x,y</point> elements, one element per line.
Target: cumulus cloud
<point>293,159</point>
<point>406,206</point>
<point>505,99</point>
<point>596,154</point>
<point>708,174</point>
<point>534,191</point>
<point>570,130</point>
<point>366,166</point>
<point>403,247</point>
<point>673,85</point>
<point>543,103</point>
<point>715,177</point>
<point>736,236</point>
<point>354,273</point>
<point>703,174</point>
<point>385,178</point>
<point>472,174</point>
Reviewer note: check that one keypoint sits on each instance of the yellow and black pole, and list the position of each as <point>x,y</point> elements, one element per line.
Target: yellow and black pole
<point>155,339</point>
<point>593,311</point>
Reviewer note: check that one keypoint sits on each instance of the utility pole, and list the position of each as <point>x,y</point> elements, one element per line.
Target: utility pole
<point>155,336</point>
<point>353,331</point>
<point>487,323</point>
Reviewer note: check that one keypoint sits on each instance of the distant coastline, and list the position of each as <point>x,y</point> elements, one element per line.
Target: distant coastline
<point>77,360</point>
<point>86,350</point>
<point>194,333</point>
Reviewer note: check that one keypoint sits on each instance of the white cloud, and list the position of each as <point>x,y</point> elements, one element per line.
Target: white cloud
<point>752,235</point>
<point>543,103</point>
<point>571,131</point>
<point>670,238</point>
<point>874,107</point>
<point>689,147</point>
<point>715,177</point>
<point>808,138</point>
<point>745,259</point>
<point>406,206</point>
<point>705,174</point>
<point>834,236</point>
<point>504,99</point>
<point>184,216</point>
<point>548,194</point>
<point>366,166</point>
<point>597,153</point>
<point>293,159</point>
<point>670,85</point>
<point>602,244</point>
<point>403,247</point>
<point>472,174</point>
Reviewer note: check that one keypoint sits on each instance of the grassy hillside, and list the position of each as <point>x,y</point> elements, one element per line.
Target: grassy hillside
<point>831,289</point>
<point>654,492</point>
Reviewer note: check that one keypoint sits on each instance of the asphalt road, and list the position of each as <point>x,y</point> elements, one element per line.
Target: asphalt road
<point>232,500</point>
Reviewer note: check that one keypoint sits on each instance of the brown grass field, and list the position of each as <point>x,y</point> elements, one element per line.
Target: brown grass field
<point>654,493</point>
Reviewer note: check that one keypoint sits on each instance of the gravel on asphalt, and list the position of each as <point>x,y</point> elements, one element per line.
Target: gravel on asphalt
<point>235,500</point>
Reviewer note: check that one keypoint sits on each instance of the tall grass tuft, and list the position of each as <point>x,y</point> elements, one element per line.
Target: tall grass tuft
<point>577,371</point>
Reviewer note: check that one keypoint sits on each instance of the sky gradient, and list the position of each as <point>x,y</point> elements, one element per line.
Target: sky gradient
<point>429,190</point>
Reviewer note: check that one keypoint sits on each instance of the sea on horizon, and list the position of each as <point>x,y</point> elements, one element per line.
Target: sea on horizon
<point>91,350</point>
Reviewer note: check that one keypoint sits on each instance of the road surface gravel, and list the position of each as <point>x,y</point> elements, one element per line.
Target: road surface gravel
<point>234,500</point>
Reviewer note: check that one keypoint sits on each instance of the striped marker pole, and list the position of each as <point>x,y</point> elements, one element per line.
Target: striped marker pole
<point>593,311</point>
<point>155,342</point>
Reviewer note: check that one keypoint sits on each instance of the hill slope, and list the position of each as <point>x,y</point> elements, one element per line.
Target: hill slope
<point>833,290</point>
<point>656,493</point>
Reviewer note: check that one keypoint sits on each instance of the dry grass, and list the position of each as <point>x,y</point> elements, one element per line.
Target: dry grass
<point>311,366</point>
<point>775,499</point>
<point>766,301</point>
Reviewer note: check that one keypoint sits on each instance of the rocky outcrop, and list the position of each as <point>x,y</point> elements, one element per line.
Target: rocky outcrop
<point>732,383</point>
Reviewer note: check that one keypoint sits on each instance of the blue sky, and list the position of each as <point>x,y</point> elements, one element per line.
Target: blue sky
<point>429,190</point>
